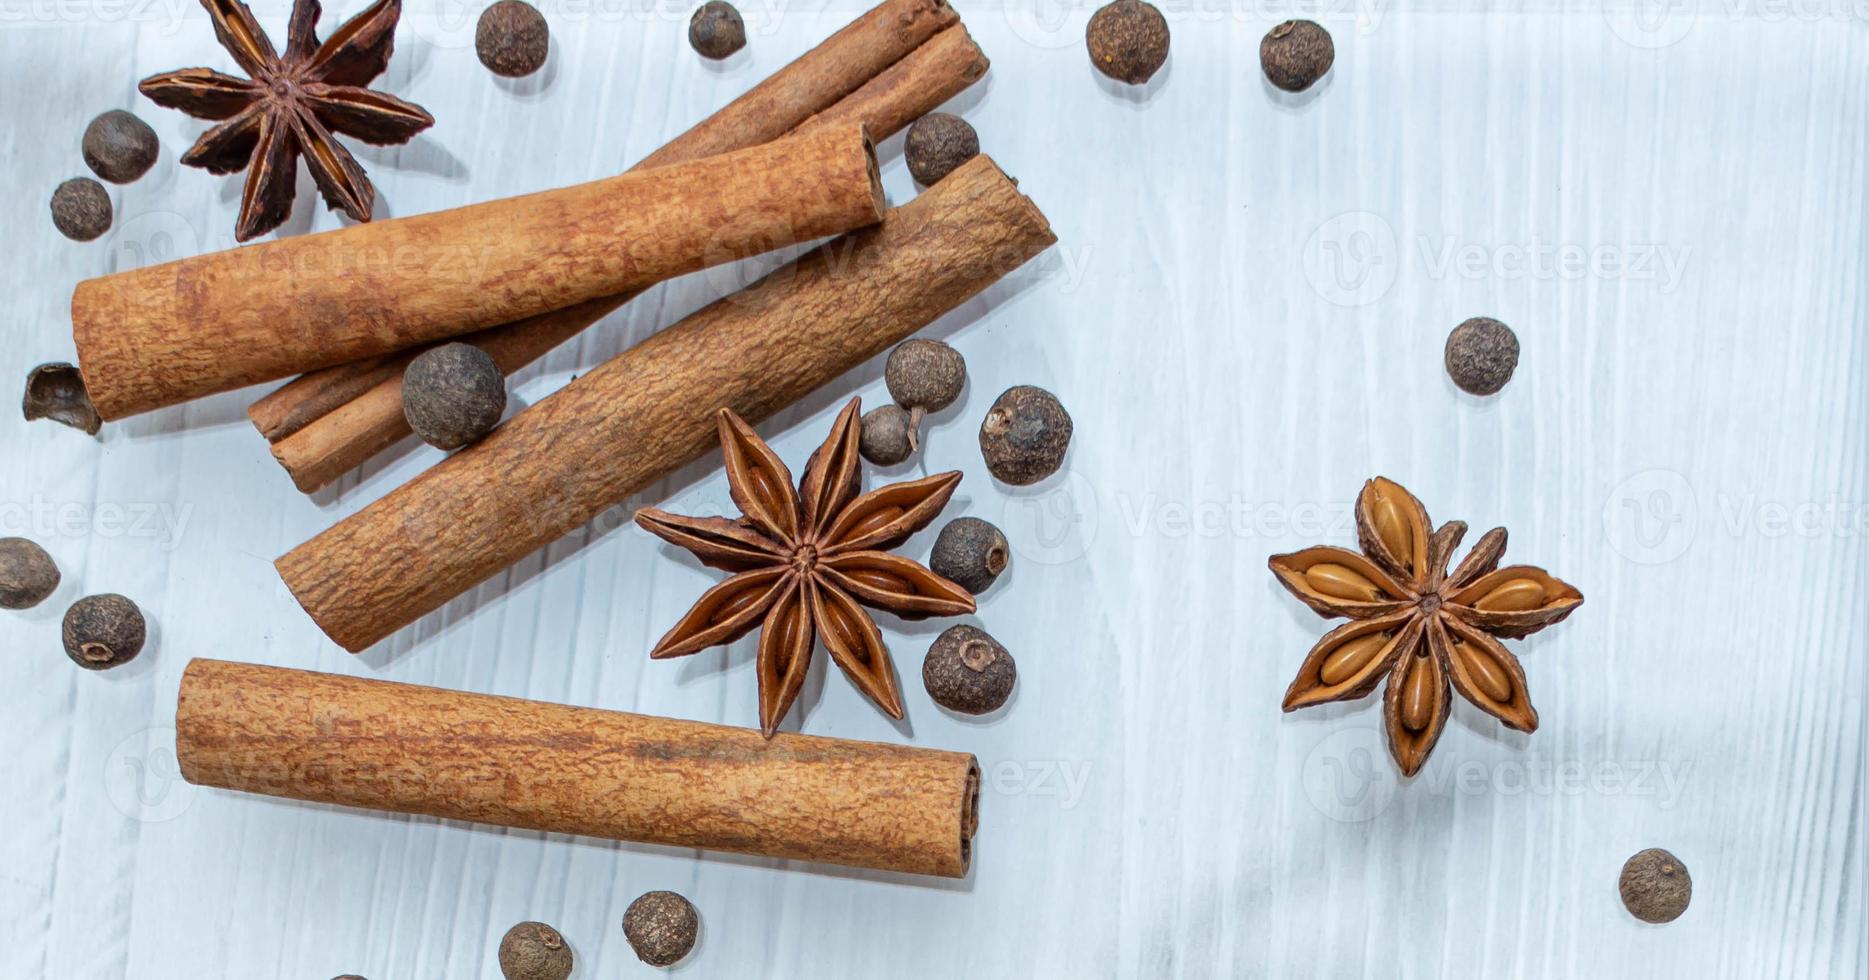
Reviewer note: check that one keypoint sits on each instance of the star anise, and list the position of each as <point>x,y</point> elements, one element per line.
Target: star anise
<point>806,562</point>
<point>1416,624</point>
<point>292,105</point>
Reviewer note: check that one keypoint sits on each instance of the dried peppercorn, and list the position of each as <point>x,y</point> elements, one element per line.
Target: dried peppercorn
<point>888,436</point>
<point>119,147</point>
<point>453,394</point>
<point>936,144</point>
<point>81,209</point>
<point>27,574</point>
<point>924,376</point>
<point>661,927</point>
<point>1295,54</point>
<point>512,38</point>
<point>1481,355</point>
<point>1128,41</point>
<point>534,951</point>
<point>971,553</point>
<point>1025,435</point>
<point>968,671</point>
<point>1655,886</point>
<point>716,30</point>
<point>56,391</point>
<point>103,631</point>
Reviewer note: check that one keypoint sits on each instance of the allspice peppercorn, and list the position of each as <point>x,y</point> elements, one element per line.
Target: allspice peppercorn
<point>968,671</point>
<point>661,927</point>
<point>103,631</point>
<point>936,144</point>
<point>512,38</point>
<point>924,376</point>
<point>119,147</point>
<point>888,436</point>
<point>1481,355</point>
<point>971,553</point>
<point>1655,886</point>
<point>453,394</point>
<point>81,209</point>
<point>56,391</point>
<point>27,574</point>
<point>1128,41</point>
<point>1025,435</point>
<point>716,30</point>
<point>1295,54</point>
<point>534,951</point>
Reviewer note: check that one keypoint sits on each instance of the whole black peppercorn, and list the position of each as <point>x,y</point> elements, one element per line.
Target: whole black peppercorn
<point>936,144</point>
<point>512,38</point>
<point>27,574</point>
<point>103,631</point>
<point>119,147</point>
<point>534,951</point>
<point>81,209</point>
<point>970,553</point>
<point>1128,41</point>
<point>1296,54</point>
<point>924,376</point>
<point>57,392</point>
<point>661,927</point>
<point>1655,886</point>
<point>1025,435</point>
<point>1481,355</point>
<point>968,671</point>
<point>888,436</point>
<point>716,30</point>
<point>453,395</point>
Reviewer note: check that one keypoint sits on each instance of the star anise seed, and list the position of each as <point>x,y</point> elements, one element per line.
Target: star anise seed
<point>806,562</point>
<point>1417,626</point>
<point>292,105</point>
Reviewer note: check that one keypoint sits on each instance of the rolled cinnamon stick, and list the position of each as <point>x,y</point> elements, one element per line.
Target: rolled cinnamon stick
<point>327,423</point>
<point>516,763</point>
<point>650,409</point>
<point>163,334</point>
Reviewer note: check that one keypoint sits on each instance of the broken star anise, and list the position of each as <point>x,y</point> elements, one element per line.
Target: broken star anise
<point>291,105</point>
<point>806,562</point>
<point>1418,625</point>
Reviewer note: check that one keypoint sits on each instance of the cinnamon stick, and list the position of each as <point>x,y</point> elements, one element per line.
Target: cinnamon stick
<point>641,414</point>
<point>515,763</point>
<point>352,412</point>
<point>160,335</point>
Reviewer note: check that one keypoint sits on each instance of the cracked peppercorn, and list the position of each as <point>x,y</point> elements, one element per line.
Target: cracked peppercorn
<point>716,30</point>
<point>1296,54</point>
<point>81,209</point>
<point>119,147</point>
<point>936,144</point>
<point>453,395</point>
<point>888,437</point>
<point>1481,355</point>
<point>103,631</point>
<point>971,553</point>
<point>27,574</point>
<point>1128,41</point>
<point>968,671</point>
<point>534,951</point>
<point>1655,886</point>
<point>56,391</point>
<point>1025,435</point>
<point>661,927</point>
<point>512,39</point>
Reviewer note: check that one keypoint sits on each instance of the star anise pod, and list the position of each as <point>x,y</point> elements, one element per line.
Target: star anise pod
<point>291,105</point>
<point>806,562</point>
<point>1418,625</point>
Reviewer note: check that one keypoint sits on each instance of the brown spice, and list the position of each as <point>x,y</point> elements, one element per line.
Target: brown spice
<point>56,391</point>
<point>967,671</point>
<point>936,144</point>
<point>971,553</point>
<point>1025,435</point>
<point>1128,41</point>
<point>81,209</point>
<point>534,951</point>
<point>661,927</point>
<point>453,395</point>
<point>103,631</point>
<point>716,30</point>
<point>512,38</point>
<point>1481,355</point>
<point>888,435</point>
<point>1296,54</point>
<point>27,574</point>
<point>1655,886</point>
<point>119,147</point>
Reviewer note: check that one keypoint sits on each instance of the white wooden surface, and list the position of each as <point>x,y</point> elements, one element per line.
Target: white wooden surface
<point>1245,316</point>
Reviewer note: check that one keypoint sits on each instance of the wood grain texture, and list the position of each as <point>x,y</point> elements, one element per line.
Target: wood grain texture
<point>325,424</point>
<point>645,412</point>
<point>537,766</point>
<point>161,335</point>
